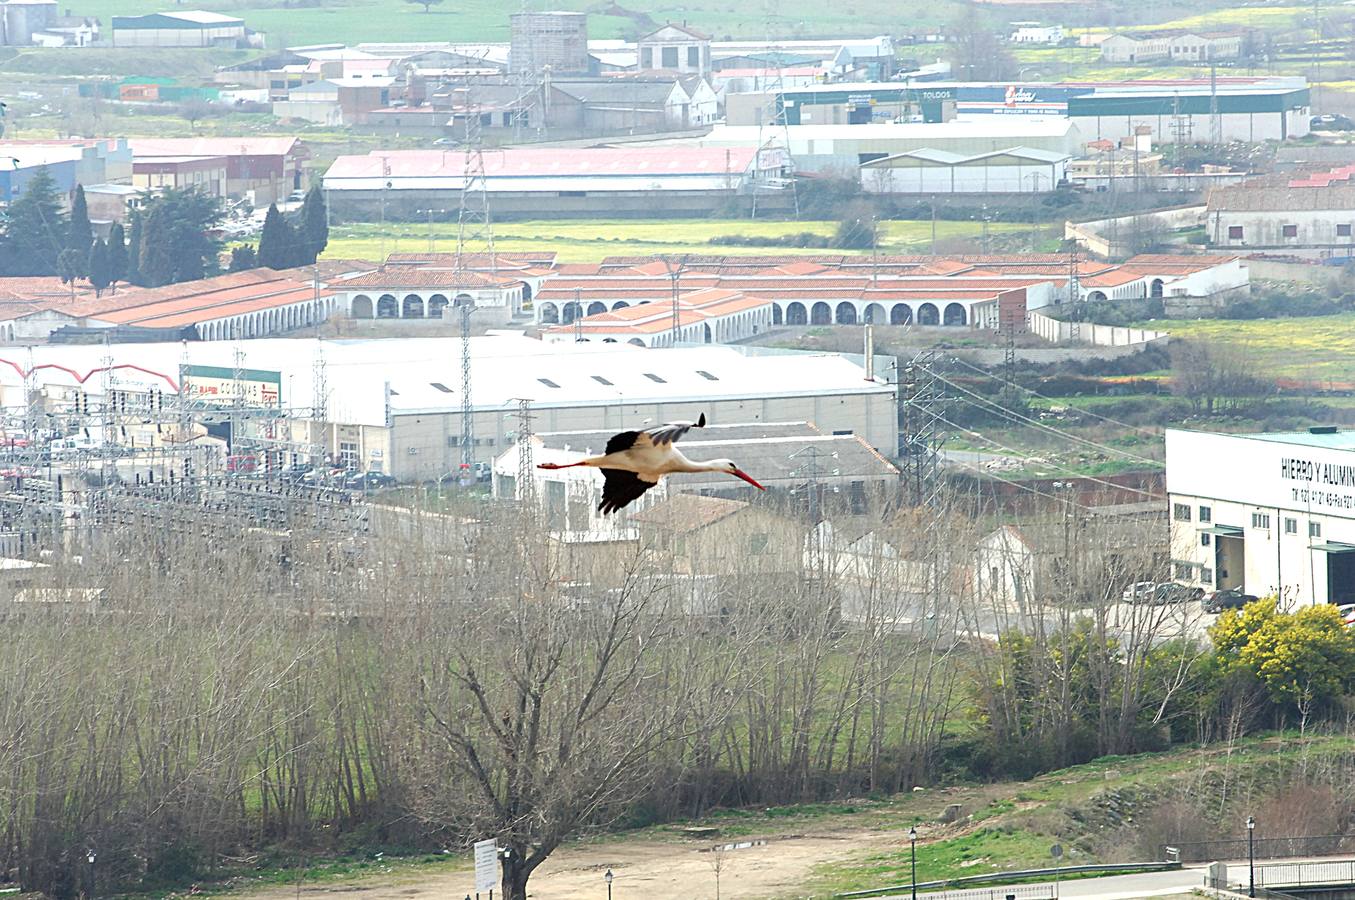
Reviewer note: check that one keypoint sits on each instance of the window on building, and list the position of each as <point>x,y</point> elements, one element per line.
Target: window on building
<point>548,383</point>
<point>1291,526</point>
<point>1181,512</point>
<point>441,387</point>
<point>1314,529</point>
<point>993,575</point>
<point>1260,520</point>
<point>1343,230</point>
<point>1289,230</point>
<point>508,487</point>
<point>757,542</point>
<point>1206,514</point>
<point>670,57</point>
<point>600,380</point>
<point>348,454</point>
<point>646,57</point>
<point>1184,571</point>
<point>1207,576</point>
<point>694,57</point>
<point>1234,232</point>
<point>1204,540</point>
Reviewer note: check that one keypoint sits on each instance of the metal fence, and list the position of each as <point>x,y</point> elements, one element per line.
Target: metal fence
<point>1299,874</point>
<point>1264,848</point>
<point>1016,892</point>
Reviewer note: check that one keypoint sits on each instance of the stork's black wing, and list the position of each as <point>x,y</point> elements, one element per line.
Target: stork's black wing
<point>667,434</point>
<point>620,488</point>
<point>656,436</point>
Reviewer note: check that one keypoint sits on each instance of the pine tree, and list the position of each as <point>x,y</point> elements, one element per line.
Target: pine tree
<point>314,227</point>
<point>35,229</point>
<point>79,234</point>
<point>174,238</point>
<point>100,268</point>
<point>243,257</point>
<point>277,241</point>
<point>117,255</point>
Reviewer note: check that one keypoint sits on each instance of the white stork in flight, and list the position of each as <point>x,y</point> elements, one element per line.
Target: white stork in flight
<point>634,461</point>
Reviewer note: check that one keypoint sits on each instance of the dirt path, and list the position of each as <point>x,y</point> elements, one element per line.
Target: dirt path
<point>643,870</point>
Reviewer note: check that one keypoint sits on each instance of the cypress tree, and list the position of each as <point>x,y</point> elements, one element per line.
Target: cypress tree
<point>117,255</point>
<point>277,241</point>
<point>35,229</point>
<point>314,228</point>
<point>155,264</point>
<point>132,275</point>
<point>79,233</point>
<point>99,268</point>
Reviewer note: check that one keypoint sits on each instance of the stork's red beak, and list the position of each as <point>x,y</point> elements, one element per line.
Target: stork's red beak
<point>740,473</point>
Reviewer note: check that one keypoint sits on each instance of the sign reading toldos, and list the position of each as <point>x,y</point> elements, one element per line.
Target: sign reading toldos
<point>219,385</point>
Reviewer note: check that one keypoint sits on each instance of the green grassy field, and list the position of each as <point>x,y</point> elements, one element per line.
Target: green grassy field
<point>1316,348</point>
<point>591,240</point>
<point>352,21</point>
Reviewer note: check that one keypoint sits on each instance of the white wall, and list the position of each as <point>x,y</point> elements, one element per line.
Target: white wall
<point>968,179</point>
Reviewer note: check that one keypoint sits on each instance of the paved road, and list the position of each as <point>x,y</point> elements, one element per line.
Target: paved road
<point>1129,887</point>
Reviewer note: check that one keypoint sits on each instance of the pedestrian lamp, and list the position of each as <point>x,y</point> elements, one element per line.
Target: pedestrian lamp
<point>608,878</point>
<point>912,854</point>
<point>1251,857</point>
<point>90,857</point>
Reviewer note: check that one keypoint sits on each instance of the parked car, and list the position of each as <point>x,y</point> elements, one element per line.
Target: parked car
<point>1331,122</point>
<point>1347,611</point>
<point>1138,592</point>
<point>1228,598</point>
<point>369,481</point>
<point>296,196</point>
<point>1171,592</point>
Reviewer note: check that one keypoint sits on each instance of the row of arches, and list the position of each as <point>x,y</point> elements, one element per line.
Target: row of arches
<point>796,313</point>
<point>548,313</point>
<point>267,322</point>
<point>847,313</point>
<point>412,306</point>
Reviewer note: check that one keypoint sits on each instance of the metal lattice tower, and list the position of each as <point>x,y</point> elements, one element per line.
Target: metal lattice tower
<point>473,222</point>
<point>1215,119</point>
<point>107,410</point>
<point>1074,293</point>
<point>675,279</point>
<point>467,410</point>
<point>526,485</point>
<point>772,114</point>
<point>923,404</point>
<point>319,404</point>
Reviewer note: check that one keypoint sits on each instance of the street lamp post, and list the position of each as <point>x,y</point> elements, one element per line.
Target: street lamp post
<point>912,856</point>
<point>608,878</point>
<point>1251,857</point>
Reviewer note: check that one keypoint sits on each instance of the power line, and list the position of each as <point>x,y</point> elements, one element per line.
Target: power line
<point>1037,424</point>
<point>1063,469</point>
<point>1034,393</point>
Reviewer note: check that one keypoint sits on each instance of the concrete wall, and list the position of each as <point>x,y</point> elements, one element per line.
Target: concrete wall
<point>1101,335</point>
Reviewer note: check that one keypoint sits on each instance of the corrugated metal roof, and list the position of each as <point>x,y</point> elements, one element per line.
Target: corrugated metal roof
<point>532,162</point>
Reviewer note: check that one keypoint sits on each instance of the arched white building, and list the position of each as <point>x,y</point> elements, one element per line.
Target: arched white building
<point>710,316</point>
<point>424,293</point>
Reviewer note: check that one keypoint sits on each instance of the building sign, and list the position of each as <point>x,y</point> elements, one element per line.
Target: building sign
<point>1281,475</point>
<point>218,385</point>
<point>1017,95</point>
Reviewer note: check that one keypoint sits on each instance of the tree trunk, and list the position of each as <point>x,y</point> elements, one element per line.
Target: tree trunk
<point>514,881</point>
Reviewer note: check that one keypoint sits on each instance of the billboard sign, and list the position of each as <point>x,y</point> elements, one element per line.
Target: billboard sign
<point>218,385</point>
<point>486,865</point>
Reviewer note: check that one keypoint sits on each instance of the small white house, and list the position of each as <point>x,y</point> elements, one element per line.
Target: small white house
<point>1035,33</point>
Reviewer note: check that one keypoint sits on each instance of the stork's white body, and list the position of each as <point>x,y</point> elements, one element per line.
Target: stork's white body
<point>636,460</point>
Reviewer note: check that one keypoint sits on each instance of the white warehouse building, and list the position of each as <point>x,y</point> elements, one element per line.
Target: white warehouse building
<point>1270,514</point>
<point>1017,170</point>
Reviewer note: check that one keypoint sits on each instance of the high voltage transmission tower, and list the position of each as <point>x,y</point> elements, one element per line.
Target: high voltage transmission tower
<point>473,223</point>
<point>772,114</point>
<point>922,400</point>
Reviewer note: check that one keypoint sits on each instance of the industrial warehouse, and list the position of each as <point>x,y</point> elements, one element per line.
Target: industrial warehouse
<point>395,406</point>
<point>1268,514</point>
